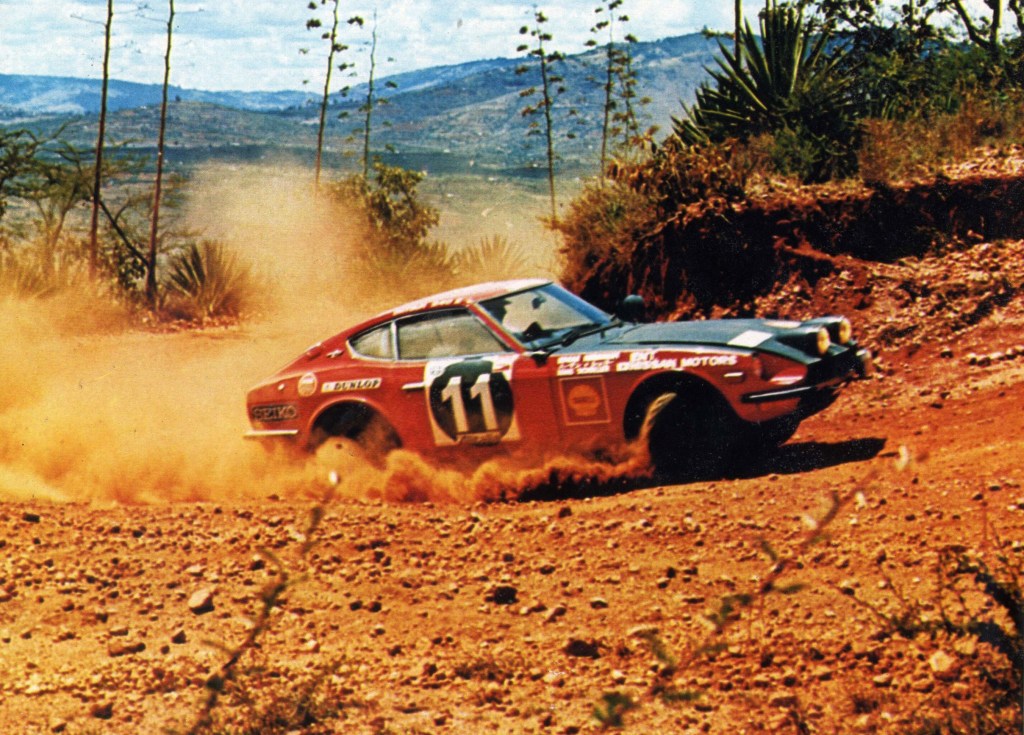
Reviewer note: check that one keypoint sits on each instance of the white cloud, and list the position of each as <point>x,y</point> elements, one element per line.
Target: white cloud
<point>254,44</point>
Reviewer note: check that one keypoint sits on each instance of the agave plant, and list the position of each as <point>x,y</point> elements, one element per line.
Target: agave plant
<point>208,280</point>
<point>781,82</point>
<point>492,258</point>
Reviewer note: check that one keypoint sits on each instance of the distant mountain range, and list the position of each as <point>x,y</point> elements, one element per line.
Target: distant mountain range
<point>72,96</point>
<point>470,111</point>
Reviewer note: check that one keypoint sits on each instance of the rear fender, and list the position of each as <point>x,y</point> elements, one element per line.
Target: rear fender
<point>348,418</point>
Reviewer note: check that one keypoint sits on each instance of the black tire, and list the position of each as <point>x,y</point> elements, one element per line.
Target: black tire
<point>760,440</point>
<point>690,434</point>
<point>359,424</point>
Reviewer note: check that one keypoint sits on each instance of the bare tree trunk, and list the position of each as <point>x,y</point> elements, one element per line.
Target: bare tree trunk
<point>158,185</point>
<point>323,101</point>
<point>549,131</point>
<point>369,99</point>
<point>98,175</point>
<point>609,83</point>
<point>737,45</point>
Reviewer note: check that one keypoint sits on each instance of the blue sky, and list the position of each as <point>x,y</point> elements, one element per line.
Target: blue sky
<point>255,44</point>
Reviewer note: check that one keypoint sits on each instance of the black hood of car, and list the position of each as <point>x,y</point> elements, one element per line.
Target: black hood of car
<point>790,339</point>
<point>718,332</point>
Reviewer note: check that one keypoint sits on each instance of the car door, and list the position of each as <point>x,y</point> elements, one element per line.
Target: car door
<point>477,391</point>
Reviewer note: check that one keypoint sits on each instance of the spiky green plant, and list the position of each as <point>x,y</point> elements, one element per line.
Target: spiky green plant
<point>782,83</point>
<point>209,280</point>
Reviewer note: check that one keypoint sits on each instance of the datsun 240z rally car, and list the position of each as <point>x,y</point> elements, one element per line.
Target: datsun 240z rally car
<point>527,365</point>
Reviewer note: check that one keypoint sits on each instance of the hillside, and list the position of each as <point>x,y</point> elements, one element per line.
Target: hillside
<point>470,111</point>
<point>40,95</point>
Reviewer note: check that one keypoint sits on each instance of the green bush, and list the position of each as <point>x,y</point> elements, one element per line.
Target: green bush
<point>783,82</point>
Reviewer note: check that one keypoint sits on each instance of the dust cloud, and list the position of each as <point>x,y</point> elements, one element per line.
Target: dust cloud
<point>95,410</point>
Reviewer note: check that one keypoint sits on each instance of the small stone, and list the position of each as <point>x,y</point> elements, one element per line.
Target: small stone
<point>503,594</point>
<point>555,613</point>
<point>882,681</point>
<point>581,648</point>
<point>102,710</point>
<point>179,636</point>
<point>30,517</point>
<point>201,601</point>
<point>944,667</point>
<point>125,648</point>
<point>782,699</point>
<point>642,631</point>
<point>599,603</point>
<point>946,353</point>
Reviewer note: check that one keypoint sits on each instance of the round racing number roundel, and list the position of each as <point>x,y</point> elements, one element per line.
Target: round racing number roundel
<point>473,401</point>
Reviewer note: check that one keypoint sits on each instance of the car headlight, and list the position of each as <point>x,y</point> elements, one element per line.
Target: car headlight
<point>845,331</point>
<point>824,341</point>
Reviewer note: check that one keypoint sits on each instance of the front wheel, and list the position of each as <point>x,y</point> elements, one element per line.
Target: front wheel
<point>690,436</point>
<point>759,440</point>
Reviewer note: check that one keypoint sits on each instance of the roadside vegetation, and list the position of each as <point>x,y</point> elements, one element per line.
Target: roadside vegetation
<point>872,93</point>
<point>821,93</point>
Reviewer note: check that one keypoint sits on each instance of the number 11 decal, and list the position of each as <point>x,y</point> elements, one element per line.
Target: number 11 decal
<point>471,401</point>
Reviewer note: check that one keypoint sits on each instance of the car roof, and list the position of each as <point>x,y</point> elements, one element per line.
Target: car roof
<point>465,295</point>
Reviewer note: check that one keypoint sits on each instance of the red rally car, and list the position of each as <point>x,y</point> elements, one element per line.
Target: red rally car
<point>526,366</point>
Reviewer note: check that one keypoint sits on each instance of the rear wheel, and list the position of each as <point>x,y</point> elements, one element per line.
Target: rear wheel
<point>359,425</point>
<point>690,434</point>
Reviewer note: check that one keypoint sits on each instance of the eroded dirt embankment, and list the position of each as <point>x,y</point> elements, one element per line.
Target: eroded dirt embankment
<point>726,259</point>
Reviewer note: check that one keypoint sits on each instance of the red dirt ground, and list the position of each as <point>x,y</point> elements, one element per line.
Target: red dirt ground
<point>521,617</point>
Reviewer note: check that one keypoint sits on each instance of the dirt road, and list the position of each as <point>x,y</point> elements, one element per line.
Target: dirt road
<point>470,617</point>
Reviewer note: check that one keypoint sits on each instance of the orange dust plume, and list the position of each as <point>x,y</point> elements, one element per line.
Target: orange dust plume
<point>94,410</point>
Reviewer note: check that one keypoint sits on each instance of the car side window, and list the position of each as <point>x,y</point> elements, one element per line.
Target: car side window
<point>376,343</point>
<point>445,334</point>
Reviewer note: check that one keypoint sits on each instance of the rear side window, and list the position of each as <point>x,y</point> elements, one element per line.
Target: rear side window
<point>377,343</point>
<point>445,334</point>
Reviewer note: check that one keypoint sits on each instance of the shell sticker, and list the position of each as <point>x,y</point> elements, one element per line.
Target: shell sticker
<point>584,400</point>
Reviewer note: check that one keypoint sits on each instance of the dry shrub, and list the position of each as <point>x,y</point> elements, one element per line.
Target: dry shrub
<point>608,221</point>
<point>29,272</point>
<point>603,224</point>
<point>895,151</point>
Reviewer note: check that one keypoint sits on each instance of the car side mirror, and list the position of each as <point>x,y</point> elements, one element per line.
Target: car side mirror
<point>633,308</point>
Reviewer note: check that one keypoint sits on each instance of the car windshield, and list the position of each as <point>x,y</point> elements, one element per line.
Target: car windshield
<point>544,315</point>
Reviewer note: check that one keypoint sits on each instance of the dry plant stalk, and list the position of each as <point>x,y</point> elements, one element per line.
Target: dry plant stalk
<point>270,598</point>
